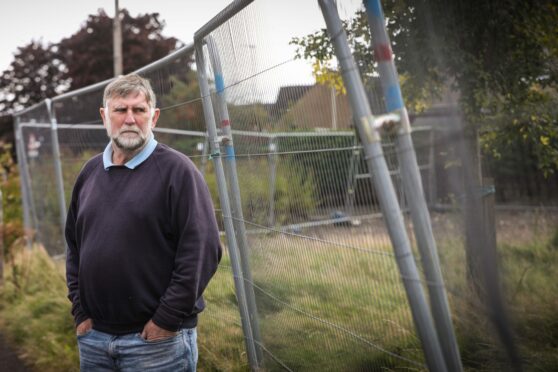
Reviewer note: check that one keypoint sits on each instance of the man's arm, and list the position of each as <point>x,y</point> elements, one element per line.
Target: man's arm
<point>198,250</point>
<point>72,262</point>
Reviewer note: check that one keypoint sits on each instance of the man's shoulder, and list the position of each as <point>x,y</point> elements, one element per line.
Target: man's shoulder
<point>92,164</point>
<point>168,156</point>
<point>88,168</point>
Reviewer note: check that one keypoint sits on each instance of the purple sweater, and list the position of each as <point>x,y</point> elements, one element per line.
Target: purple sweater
<point>143,244</point>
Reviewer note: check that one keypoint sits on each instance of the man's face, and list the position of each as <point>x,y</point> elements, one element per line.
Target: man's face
<point>129,120</point>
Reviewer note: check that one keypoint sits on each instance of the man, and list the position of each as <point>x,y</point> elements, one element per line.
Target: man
<point>143,243</point>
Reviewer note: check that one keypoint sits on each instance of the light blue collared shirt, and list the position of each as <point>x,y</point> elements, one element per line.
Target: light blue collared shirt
<point>136,160</point>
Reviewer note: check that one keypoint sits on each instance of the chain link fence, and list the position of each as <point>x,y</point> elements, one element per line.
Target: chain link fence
<point>310,279</point>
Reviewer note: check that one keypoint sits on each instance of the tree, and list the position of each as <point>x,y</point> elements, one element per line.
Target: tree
<point>41,70</point>
<point>87,54</point>
<point>499,55</point>
<point>34,74</point>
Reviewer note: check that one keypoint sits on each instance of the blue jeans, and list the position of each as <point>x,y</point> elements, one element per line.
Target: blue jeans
<point>100,351</point>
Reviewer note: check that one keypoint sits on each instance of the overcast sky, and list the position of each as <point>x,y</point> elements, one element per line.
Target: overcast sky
<point>24,20</point>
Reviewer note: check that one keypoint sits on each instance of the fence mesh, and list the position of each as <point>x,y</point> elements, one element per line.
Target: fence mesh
<point>328,292</point>
<point>323,271</point>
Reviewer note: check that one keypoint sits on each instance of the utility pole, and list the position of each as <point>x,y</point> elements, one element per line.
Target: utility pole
<point>117,40</point>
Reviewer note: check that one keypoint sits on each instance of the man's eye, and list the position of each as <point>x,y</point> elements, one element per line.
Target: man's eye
<point>120,110</point>
<point>140,110</point>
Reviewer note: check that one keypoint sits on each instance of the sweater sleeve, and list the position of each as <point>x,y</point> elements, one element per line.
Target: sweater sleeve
<point>72,261</point>
<point>198,249</point>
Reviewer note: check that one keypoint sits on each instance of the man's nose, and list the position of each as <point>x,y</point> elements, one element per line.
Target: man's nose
<point>130,119</point>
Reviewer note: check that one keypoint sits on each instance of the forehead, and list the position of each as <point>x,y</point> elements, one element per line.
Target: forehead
<point>132,99</point>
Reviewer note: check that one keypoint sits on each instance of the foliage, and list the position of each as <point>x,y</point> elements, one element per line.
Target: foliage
<point>253,117</point>
<point>87,54</point>
<point>41,70</point>
<point>330,169</point>
<point>525,135</point>
<point>493,53</point>
<point>34,74</point>
<point>526,259</point>
<point>35,313</point>
<point>294,198</point>
<point>420,81</point>
<point>185,90</point>
<point>11,199</point>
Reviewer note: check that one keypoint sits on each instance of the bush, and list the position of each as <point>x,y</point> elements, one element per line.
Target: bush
<point>295,194</point>
<point>11,199</point>
<point>35,312</point>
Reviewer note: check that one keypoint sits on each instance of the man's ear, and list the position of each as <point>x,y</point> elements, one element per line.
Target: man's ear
<point>156,113</point>
<point>102,112</point>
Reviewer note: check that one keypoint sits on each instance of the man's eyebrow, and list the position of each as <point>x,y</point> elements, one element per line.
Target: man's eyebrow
<point>138,106</point>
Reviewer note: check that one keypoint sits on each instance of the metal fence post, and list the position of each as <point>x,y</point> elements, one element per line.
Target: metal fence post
<point>18,145</point>
<point>350,197</point>
<point>205,145</point>
<point>225,205</point>
<point>57,166</point>
<point>412,184</point>
<point>236,203</point>
<point>29,216</point>
<point>432,179</point>
<point>272,159</point>
<point>370,138</point>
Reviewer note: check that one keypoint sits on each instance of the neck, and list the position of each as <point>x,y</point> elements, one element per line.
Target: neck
<point>121,157</point>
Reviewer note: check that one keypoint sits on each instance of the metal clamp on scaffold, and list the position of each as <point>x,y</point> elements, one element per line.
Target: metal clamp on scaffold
<point>222,140</point>
<point>216,154</point>
<point>387,122</point>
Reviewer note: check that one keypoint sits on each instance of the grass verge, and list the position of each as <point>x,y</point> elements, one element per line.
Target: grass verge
<point>35,313</point>
<point>321,307</point>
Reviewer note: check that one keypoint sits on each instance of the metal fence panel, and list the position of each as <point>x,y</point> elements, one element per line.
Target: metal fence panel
<point>311,247</point>
<point>323,272</point>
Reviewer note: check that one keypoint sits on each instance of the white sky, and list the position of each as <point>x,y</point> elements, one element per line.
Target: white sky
<point>24,20</point>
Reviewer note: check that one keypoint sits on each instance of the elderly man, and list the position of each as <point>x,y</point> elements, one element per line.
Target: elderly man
<point>142,242</point>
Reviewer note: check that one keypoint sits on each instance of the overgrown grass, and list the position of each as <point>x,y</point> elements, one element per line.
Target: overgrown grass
<point>321,307</point>
<point>529,283</point>
<point>35,312</point>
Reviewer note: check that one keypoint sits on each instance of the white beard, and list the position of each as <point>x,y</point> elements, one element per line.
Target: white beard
<point>127,142</point>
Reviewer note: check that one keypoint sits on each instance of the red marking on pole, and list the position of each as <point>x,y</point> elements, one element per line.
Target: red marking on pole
<point>382,52</point>
<point>225,123</point>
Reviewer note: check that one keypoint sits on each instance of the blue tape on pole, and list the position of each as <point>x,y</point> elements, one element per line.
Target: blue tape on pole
<point>219,83</point>
<point>394,99</point>
<point>229,150</point>
<point>374,7</point>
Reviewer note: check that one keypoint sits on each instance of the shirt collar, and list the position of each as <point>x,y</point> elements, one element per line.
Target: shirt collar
<point>136,160</point>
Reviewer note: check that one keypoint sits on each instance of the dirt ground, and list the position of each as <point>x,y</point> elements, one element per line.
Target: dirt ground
<point>9,360</point>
